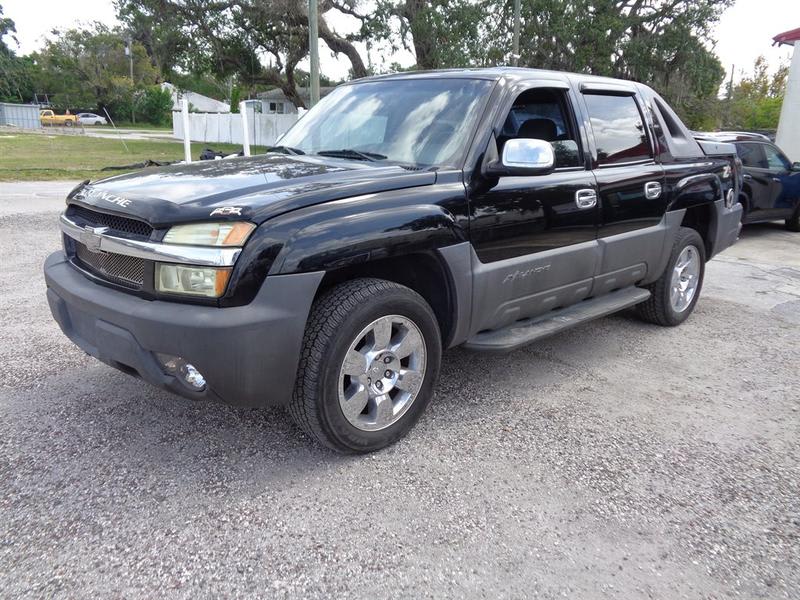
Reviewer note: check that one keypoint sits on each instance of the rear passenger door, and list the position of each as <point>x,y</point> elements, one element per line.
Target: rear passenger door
<point>757,180</point>
<point>631,185</point>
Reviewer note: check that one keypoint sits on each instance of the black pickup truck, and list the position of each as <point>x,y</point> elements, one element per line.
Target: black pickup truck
<point>402,215</point>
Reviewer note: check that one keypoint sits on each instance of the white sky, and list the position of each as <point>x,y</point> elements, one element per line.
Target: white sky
<point>745,31</point>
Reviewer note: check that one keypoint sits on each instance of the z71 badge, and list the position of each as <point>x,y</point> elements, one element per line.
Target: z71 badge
<point>227,211</point>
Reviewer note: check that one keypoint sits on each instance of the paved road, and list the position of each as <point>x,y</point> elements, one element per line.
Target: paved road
<point>619,460</point>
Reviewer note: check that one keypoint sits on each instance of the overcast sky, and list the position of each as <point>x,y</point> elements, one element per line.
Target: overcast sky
<point>745,32</point>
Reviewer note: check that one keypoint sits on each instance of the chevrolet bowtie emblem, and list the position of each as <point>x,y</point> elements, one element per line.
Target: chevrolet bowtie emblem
<point>90,237</point>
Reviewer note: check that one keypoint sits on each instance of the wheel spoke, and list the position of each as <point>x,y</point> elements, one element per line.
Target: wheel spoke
<point>384,410</point>
<point>381,335</point>
<point>355,363</point>
<point>354,405</point>
<point>409,381</point>
<point>410,342</point>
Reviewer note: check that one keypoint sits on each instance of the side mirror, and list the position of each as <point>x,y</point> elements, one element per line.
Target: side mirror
<point>796,166</point>
<point>524,156</point>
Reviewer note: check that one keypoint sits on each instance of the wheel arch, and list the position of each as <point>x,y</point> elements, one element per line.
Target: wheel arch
<point>700,218</point>
<point>429,273</point>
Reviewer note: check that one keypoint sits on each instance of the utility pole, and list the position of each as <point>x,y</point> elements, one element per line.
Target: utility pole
<point>313,44</point>
<point>515,51</point>
<point>129,52</point>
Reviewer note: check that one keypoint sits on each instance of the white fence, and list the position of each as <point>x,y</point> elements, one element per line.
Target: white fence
<point>227,127</point>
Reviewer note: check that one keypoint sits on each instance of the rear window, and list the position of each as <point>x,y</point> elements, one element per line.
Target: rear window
<point>752,155</point>
<point>618,127</point>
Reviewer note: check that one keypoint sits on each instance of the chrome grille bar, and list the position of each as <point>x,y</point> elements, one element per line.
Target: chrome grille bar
<point>172,253</point>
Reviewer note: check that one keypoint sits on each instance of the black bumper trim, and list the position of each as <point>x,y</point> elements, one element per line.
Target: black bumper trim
<point>248,354</point>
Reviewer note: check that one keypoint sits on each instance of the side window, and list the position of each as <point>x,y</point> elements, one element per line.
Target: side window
<point>618,127</point>
<point>542,114</point>
<point>752,155</point>
<point>775,160</point>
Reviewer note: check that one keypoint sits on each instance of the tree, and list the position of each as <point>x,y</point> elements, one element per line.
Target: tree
<point>89,68</point>
<point>755,102</point>
<point>257,41</point>
<point>658,42</point>
<point>16,73</point>
<point>441,33</point>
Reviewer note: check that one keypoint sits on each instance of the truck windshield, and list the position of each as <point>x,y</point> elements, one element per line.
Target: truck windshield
<point>420,122</point>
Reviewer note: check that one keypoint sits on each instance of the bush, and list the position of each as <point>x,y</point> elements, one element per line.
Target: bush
<point>154,105</point>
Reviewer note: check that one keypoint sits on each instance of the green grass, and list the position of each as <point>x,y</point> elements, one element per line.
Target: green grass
<point>36,157</point>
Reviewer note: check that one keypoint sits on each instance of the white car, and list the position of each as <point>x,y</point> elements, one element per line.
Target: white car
<point>91,119</point>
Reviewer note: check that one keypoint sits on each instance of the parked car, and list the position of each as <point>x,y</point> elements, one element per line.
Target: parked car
<point>48,117</point>
<point>91,119</point>
<point>771,182</point>
<point>403,214</point>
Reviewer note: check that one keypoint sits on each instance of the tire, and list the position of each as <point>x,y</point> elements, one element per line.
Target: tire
<point>97,123</point>
<point>68,123</point>
<point>793,222</point>
<point>660,307</point>
<point>336,329</point>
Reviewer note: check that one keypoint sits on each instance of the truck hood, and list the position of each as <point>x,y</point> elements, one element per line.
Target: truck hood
<point>255,188</point>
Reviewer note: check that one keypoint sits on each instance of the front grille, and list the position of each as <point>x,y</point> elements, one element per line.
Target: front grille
<point>123,270</point>
<point>113,222</point>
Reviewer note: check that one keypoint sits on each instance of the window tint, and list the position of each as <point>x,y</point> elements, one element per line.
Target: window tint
<point>752,155</point>
<point>775,160</point>
<point>618,128</point>
<point>541,114</point>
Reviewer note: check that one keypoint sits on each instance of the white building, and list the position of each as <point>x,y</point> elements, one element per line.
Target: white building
<point>788,137</point>
<point>275,102</point>
<point>197,102</point>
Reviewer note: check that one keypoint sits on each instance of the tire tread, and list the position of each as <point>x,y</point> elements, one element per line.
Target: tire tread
<point>328,313</point>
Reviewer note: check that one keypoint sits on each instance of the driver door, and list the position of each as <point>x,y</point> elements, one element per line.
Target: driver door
<point>534,236</point>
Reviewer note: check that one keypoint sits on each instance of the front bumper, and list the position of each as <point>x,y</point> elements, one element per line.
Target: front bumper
<point>247,354</point>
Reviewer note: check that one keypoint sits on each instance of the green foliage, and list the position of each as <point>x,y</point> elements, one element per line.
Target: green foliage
<point>755,102</point>
<point>155,105</point>
<point>236,95</point>
<point>16,73</point>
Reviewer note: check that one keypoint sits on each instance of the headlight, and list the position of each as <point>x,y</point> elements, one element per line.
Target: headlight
<point>209,282</point>
<point>232,233</point>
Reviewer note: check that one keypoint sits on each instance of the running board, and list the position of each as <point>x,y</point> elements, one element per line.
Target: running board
<point>521,333</point>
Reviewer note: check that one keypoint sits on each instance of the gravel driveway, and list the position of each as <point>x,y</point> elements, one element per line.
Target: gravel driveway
<point>618,460</point>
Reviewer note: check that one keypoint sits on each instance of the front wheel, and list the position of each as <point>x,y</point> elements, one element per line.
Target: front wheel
<point>68,123</point>
<point>370,360</point>
<point>674,295</point>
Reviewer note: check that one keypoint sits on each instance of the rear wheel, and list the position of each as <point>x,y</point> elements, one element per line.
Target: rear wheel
<point>674,295</point>
<point>370,359</point>
<point>68,123</point>
<point>793,222</point>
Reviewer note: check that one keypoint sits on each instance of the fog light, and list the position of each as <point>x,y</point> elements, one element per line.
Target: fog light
<point>183,371</point>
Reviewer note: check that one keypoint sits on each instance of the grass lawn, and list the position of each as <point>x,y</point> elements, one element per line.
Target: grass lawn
<point>32,157</point>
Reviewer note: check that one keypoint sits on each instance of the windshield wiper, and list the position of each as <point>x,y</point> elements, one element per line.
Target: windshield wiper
<point>285,150</point>
<point>350,153</point>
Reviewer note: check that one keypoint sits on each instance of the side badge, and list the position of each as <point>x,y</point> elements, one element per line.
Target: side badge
<point>227,211</point>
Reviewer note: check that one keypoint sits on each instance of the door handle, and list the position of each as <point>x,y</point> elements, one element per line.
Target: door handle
<point>652,190</point>
<point>747,177</point>
<point>586,198</point>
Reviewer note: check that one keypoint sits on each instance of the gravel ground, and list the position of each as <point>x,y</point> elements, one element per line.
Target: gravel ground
<point>618,460</point>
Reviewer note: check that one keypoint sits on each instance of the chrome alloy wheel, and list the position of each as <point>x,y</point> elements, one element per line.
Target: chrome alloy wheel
<point>685,278</point>
<point>382,373</point>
